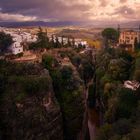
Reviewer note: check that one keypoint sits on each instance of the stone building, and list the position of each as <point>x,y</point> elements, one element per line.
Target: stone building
<point>128,37</point>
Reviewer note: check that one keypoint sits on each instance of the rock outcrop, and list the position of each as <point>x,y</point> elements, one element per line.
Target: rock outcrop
<point>28,107</point>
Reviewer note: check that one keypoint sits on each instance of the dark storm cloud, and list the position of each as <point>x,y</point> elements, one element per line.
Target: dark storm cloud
<point>67,10</point>
<point>44,8</point>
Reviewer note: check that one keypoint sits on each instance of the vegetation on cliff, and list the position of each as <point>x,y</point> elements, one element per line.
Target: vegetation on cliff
<point>69,90</point>
<point>28,108</point>
<point>121,105</point>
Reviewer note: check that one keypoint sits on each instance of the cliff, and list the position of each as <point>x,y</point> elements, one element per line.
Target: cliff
<point>28,107</point>
<point>37,104</point>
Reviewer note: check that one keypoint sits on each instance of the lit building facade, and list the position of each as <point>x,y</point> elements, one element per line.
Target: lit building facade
<point>127,39</point>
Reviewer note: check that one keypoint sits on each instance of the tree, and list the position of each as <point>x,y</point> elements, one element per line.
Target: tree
<point>5,41</point>
<point>57,43</point>
<point>122,126</point>
<point>86,70</point>
<point>43,40</point>
<point>105,132</point>
<point>66,72</point>
<point>137,75</point>
<point>48,61</point>
<point>110,35</point>
<point>52,43</point>
<point>136,43</point>
<point>127,103</point>
<point>118,69</point>
<point>69,42</point>
<point>73,42</point>
<point>62,41</point>
<point>76,60</point>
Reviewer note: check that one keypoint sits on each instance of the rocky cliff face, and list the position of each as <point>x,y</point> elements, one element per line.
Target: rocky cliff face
<point>30,120</point>
<point>69,90</point>
<point>28,107</point>
<point>32,108</point>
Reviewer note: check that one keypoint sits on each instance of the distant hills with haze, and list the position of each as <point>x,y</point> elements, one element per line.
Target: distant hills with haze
<point>132,24</point>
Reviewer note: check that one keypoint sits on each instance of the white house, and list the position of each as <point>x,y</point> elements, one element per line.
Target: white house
<point>19,38</point>
<point>133,85</point>
<point>27,37</point>
<point>16,48</point>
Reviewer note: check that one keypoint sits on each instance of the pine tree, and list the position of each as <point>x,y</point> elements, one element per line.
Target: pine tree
<point>43,40</point>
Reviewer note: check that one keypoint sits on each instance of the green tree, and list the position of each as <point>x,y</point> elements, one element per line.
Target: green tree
<point>127,103</point>
<point>5,41</point>
<point>136,44</point>
<point>52,43</point>
<point>137,75</point>
<point>76,60</point>
<point>43,40</point>
<point>66,72</point>
<point>118,69</point>
<point>122,126</point>
<point>69,42</point>
<point>57,43</point>
<point>110,35</point>
<point>86,70</point>
<point>48,61</point>
<point>105,132</point>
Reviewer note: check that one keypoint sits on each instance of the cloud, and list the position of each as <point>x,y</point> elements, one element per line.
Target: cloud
<point>123,1</point>
<point>103,3</point>
<point>58,9</point>
<point>124,10</point>
<point>70,10</point>
<point>15,17</point>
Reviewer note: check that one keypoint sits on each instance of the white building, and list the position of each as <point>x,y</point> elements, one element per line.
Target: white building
<point>133,85</point>
<point>77,41</point>
<point>19,38</point>
<point>81,42</point>
<point>27,37</point>
<point>16,48</point>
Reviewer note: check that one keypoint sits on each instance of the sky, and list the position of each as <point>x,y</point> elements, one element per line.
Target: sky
<point>102,11</point>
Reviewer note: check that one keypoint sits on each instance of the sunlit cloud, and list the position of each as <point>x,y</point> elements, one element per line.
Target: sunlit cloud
<point>71,10</point>
<point>15,17</point>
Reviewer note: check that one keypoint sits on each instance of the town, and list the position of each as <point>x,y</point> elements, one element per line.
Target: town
<point>21,39</point>
<point>127,40</point>
<point>69,69</point>
<point>97,75</point>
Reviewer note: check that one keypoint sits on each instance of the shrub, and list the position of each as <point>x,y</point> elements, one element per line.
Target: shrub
<point>48,61</point>
<point>122,127</point>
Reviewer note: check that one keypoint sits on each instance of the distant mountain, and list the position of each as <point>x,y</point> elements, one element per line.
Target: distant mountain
<point>132,24</point>
<point>95,24</point>
<point>98,24</point>
<point>36,23</point>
